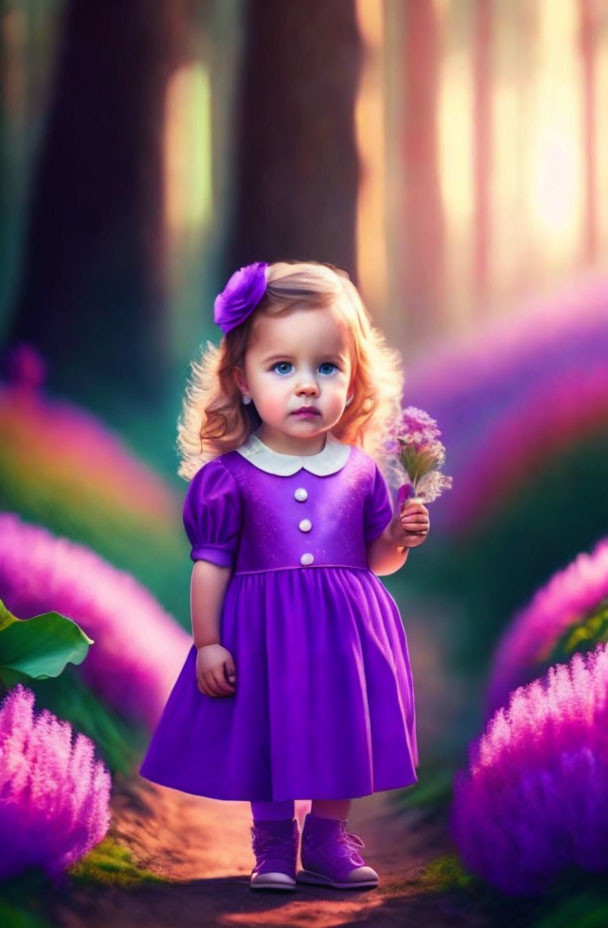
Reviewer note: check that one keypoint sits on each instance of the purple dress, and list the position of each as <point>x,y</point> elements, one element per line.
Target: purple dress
<point>324,700</point>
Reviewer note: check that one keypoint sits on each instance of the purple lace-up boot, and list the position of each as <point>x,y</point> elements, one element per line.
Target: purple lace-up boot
<point>275,845</point>
<point>330,856</point>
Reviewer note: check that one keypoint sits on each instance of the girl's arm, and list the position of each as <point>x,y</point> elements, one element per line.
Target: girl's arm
<point>207,587</point>
<point>383,555</point>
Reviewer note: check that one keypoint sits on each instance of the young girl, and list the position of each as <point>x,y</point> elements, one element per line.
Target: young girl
<point>298,683</point>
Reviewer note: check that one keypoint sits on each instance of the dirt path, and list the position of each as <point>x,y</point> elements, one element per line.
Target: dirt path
<point>203,848</point>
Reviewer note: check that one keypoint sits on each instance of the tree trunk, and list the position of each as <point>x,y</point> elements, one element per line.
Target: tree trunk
<point>92,292</point>
<point>296,174</point>
<point>482,153</point>
<point>423,215</point>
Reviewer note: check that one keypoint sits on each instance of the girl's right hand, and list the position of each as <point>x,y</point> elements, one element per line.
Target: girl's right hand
<point>211,660</point>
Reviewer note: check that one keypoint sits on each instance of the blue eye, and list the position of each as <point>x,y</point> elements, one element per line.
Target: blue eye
<point>278,364</point>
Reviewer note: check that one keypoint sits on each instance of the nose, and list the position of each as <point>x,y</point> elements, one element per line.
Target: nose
<point>307,385</point>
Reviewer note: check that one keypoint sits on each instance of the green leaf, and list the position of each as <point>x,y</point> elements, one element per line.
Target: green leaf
<point>40,647</point>
<point>6,617</point>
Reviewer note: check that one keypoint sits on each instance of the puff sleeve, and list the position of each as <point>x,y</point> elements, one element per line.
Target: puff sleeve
<point>377,510</point>
<point>212,514</point>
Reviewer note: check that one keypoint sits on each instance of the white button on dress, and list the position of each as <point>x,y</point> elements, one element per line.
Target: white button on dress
<point>305,525</point>
<point>307,558</point>
<point>301,494</point>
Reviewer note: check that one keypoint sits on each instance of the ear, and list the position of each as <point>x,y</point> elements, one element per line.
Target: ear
<point>240,381</point>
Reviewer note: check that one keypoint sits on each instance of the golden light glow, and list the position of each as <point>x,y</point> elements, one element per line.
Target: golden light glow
<point>441,8</point>
<point>555,151</point>
<point>370,139</point>
<point>600,117</point>
<point>456,137</point>
<point>535,185</point>
<point>507,212</point>
<point>511,251</point>
<point>188,191</point>
<point>455,153</point>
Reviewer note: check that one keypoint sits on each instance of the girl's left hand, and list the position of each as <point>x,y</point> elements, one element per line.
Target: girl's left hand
<point>411,525</point>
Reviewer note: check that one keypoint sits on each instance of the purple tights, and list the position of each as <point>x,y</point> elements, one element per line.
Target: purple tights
<point>272,810</point>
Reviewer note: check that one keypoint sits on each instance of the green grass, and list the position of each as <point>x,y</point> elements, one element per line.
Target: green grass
<point>111,864</point>
<point>447,873</point>
<point>14,916</point>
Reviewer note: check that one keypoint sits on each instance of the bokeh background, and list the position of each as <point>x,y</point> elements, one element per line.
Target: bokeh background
<point>452,155</point>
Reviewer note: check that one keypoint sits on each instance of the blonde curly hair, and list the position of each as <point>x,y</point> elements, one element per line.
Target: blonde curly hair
<point>214,420</point>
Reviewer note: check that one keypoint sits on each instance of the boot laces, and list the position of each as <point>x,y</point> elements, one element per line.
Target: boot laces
<point>264,841</point>
<point>350,841</point>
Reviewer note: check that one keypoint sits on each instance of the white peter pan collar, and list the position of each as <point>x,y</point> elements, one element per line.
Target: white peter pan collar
<point>331,459</point>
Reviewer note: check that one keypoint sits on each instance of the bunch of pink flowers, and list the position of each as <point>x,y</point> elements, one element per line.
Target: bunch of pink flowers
<point>414,439</point>
<point>54,794</point>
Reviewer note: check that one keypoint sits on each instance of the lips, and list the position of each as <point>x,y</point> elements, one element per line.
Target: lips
<point>306,410</point>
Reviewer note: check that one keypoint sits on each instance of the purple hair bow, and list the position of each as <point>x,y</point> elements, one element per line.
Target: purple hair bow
<point>240,296</point>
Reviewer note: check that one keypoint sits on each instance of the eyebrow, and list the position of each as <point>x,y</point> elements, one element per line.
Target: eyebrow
<point>285,354</point>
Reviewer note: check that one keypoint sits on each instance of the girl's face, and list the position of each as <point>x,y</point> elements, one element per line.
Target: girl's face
<point>294,360</point>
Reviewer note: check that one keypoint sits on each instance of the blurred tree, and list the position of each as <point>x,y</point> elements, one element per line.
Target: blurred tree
<point>482,149</point>
<point>28,33</point>
<point>588,40</point>
<point>423,218</point>
<point>92,291</point>
<point>297,171</point>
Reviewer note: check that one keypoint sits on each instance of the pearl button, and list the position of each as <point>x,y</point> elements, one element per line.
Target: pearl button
<point>305,525</point>
<point>307,558</point>
<point>301,494</point>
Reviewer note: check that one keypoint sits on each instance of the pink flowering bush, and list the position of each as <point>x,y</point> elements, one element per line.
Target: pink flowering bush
<point>519,387</point>
<point>552,417</point>
<point>139,648</point>
<point>76,447</point>
<point>557,606</point>
<point>63,467</point>
<point>54,794</point>
<point>534,799</point>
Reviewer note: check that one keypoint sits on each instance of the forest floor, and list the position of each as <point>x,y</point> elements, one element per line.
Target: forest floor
<point>201,850</point>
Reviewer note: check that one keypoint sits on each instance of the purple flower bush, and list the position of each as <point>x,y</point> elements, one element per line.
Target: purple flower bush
<point>139,648</point>
<point>552,417</point>
<point>556,607</point>
<point>62,467</point>
<point>534,799</point>
<point>54,794</point>
<point>510,394</point>
<point>77,452</point>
